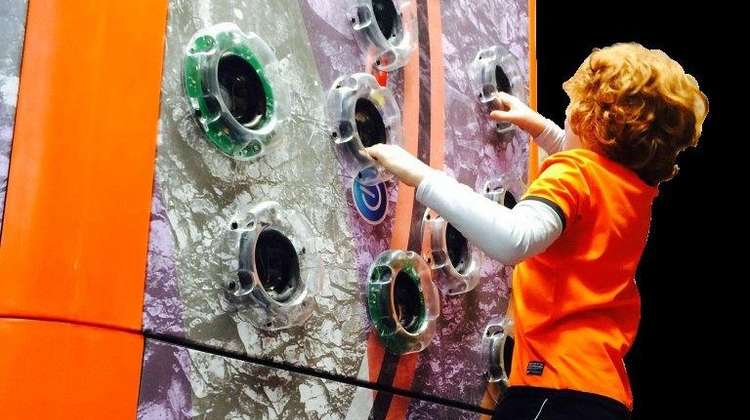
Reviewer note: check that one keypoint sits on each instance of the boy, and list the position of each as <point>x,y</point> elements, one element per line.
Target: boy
<point>580,230</point>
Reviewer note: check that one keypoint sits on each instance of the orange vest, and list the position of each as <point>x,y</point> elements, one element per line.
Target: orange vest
<point>576,307</point>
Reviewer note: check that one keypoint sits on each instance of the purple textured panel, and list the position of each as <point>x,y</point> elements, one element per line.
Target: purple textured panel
<point>166,391</point>
<point>163,308</point>
<point>194,384</point>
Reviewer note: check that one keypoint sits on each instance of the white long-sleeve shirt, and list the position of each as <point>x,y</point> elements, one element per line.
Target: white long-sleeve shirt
<point>507,235</point>
<point>552,138</point>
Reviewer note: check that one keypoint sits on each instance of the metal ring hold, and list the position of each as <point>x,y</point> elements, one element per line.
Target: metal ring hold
<point>445,249</point>
<point>402,302</point>
<point>386,30</point>
<point>272,269</point>
<point>497,347</point>
<point>362,113</point>
<point>505,190</point>
<point>493,70</point>
<point>232,82</point>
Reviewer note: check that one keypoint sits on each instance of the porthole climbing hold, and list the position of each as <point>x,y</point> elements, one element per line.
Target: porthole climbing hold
<point>386,30</point>
<point>271,268</point>
<point>402,302</point>
<point>233,85</point>
<point>362,113</point>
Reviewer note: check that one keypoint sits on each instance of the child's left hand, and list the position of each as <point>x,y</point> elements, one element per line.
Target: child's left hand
<point>406,167</point>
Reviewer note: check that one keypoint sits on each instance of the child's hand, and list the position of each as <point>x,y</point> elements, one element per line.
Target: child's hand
<point>410,170</point>
<point>513,110</point>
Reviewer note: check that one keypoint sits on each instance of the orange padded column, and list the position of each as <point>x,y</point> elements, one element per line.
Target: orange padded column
<point>76,222</point>
<point>56,370</point>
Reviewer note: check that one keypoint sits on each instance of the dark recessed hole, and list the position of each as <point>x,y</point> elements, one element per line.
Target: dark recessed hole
<point>232,286</point>
<point>458,248</point>
<point>387,17</point>
<point>509,200</point>
<point>277,264</point>
<point>501,79</point>
<point>406,299</point>
<point>508,354</point>
<point>370,126</point>
<point>242,90</point>
<point>234,225</point>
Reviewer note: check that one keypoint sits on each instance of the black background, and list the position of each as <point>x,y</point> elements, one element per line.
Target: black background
<point>684,342</point>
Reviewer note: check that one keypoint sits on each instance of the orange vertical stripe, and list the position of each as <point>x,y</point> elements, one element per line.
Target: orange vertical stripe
<point>533,148</point>
<point>410,117</point>
<point>375,354</point>
<point>407,365</point>
<point>404,201</point>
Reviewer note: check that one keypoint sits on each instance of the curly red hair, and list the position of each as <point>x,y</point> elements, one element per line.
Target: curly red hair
<point>638,107</point>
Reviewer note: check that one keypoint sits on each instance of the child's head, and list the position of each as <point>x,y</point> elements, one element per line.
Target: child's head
<point>638,107</point>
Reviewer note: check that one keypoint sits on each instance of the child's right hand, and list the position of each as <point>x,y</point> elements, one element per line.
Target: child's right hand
<point>513,110</point>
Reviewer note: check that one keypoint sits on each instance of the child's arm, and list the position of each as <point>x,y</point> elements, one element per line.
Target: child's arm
<point>548,135</point>
<point>552,138</point>
<point>506,235</point>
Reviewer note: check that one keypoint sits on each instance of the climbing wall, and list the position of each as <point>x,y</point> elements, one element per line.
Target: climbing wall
<point>206,355</point>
